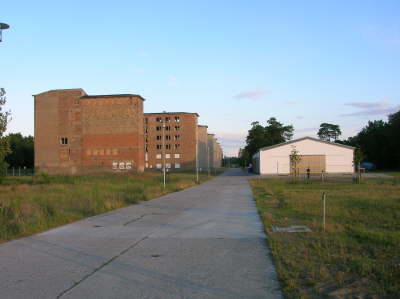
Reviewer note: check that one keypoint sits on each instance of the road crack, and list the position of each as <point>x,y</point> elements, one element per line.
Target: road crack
<point>100,267</point>
<point>142,216</point>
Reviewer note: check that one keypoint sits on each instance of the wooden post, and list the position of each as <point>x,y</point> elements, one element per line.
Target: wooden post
<point>323,205</point>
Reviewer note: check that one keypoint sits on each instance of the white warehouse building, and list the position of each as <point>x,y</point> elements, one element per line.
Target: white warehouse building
<point>315,154</point>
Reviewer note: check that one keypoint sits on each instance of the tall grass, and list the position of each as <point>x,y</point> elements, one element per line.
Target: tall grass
<point>358,255</point>
<point>32,204</point>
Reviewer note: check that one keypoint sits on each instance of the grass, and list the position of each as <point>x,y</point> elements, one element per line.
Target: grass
<point>30,205</point>
<point>358,255</point>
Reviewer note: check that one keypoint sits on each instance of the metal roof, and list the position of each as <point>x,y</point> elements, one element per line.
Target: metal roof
<point>303,138</point>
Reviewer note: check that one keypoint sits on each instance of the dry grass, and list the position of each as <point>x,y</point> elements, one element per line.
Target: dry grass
<point>33,204</point>
<point>358,255</point>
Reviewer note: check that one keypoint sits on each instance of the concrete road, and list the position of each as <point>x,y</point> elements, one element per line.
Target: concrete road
<point>203,242</point>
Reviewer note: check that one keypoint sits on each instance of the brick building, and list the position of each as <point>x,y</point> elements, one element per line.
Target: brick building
<point>202,148</point>
<point>211,149</point>
<point>76,133</point>
<point>217,154</point>
<point>178,132</point>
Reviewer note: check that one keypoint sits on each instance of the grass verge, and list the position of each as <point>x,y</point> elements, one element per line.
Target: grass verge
<point>357,256</point>
<point>30,205</point>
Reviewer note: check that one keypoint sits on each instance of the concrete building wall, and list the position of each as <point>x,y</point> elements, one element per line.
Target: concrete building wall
<point>202,148</point>
<point>211,149</point>
<point>78,134</point>
<point>217,160</point>
<point>276,160</point>
<point>181,135</point>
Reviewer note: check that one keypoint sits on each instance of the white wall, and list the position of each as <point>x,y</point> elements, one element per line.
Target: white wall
<point>276,160</point>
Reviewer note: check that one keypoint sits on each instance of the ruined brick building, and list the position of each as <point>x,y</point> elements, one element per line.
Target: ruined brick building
<point>80,133</point>
<point>177,131</point>
<point>77,133</point>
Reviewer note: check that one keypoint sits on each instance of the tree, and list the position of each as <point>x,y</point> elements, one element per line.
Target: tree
<point>22,151</point>
<point>4,119</point>
<point>295,160</point>
<point>259,136</point>
<point>329,131</point>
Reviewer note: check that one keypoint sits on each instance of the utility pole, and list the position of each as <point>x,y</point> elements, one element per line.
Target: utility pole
<point>197,160</point>
<point>163,147</point>
<point>208,160</point>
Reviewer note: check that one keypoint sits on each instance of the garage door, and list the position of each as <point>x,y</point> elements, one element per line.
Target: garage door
<point>316,163</point>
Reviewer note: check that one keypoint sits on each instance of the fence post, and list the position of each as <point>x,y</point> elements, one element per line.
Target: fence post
<point>323,204</point>
<point>19,171</point>
<point>13,171</point>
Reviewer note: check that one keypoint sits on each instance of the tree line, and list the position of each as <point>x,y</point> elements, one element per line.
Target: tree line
<point>378,142</point>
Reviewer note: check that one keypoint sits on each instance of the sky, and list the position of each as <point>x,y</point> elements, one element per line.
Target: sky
<point>232,62</point>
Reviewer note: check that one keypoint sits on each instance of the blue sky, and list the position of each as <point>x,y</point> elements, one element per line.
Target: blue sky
<point>233,62</point>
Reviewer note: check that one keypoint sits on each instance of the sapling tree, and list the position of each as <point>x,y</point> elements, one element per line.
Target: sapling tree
<point>295,159</point>
<point>4,120</point>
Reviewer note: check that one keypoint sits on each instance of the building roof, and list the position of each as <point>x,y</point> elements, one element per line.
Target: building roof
<point>123,95</point>
<point>303,138</point>
<point>86,96</point>
<point>65,89</point>
<point>204,126</point>
<point>155,113</point>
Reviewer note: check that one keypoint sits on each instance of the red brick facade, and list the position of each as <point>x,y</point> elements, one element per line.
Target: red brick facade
<point>77,134</point>
<point>179,132</point>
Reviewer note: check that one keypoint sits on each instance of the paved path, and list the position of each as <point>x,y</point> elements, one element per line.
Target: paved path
<point>203,242</point>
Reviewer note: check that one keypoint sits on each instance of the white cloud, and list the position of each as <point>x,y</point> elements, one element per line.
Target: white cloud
<point>251,94</point>
<point>368,104</point>
<point>377,111</point>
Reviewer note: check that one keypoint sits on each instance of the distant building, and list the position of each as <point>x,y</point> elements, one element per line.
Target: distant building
<point>316,155</point>
<point>178,132</point>
<point>202,147</point>
<point>211,149</point>
<point>217,154</point>
<point>76,133</point>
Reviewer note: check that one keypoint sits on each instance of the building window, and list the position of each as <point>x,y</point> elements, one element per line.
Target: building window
<point>177,119</point>
<point>159,146</point>
<point>64,140</point>
<point>167,119</point>
<point>158,128</point>
<point>167,156</point>
<point>177,128</point>
<point>146,157</point>
<point>158,156</point>
<point>168,128</point>
<point>177,165</point>
<point>158,166</point>
<point>146,148</point>
<point>167,165</point>
<point>168,146</point>
<point>177,137</point>
<point>146,121</point>
<point>108,152</point>
<point>147,165</point>
<point>177,146</point>
<point>158,137</point>
<point>115,151</point>
<point>158,119</point>
<point>177,156</point>
<point>168,137</point>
